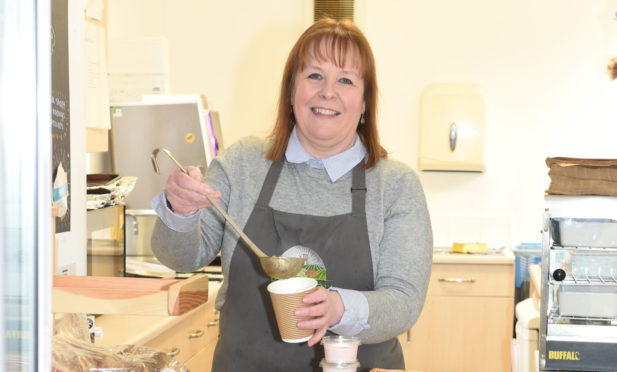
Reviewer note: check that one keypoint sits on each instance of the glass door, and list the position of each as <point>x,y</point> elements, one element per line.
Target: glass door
<point>25,186</point>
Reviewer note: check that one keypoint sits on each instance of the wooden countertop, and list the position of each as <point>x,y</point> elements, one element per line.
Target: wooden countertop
<point>126,295</point>
<point>131,329</point>
<point>441,255</point>
<point>136,329</point>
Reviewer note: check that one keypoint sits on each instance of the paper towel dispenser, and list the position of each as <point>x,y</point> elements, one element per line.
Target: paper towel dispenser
<point>452,117</point>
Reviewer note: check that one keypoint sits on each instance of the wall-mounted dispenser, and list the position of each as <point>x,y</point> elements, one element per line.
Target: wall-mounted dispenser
<point>452,117</point>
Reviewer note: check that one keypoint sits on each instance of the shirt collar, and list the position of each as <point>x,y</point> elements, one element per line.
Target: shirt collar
<point>336,166</point>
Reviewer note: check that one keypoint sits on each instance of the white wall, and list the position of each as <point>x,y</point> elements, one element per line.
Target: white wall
<point>541,63</point>
<point>231,51</point>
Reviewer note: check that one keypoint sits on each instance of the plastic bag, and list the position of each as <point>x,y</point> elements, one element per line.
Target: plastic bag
<point>72,351</point>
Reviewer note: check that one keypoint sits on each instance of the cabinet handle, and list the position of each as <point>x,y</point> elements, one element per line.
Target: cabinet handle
<point>196,334</point>
<point>453,135</point>
<point>408,341</point>
<point>174,352</point>
<point>456,280</point>
<point>215,322</point>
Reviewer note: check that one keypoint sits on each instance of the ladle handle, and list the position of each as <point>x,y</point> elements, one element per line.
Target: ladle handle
<point>246,239</point>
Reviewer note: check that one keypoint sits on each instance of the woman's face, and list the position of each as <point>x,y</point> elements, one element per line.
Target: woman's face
<point>327,104</point>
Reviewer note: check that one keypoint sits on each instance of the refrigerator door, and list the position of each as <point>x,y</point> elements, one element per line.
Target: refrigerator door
<point>139,128</point>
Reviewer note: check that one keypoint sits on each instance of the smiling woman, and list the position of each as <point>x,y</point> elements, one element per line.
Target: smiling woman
<point>319,187</point>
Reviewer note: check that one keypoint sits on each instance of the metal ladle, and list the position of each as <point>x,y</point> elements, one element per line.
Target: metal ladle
<point>275,266</point>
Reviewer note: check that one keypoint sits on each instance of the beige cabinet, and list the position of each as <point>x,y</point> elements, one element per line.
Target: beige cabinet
<point>189,338</point>
<point>467,320</point>
<point>201,360</point>
<point>185,339</point>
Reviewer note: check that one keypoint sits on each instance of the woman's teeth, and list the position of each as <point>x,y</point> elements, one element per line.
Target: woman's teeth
<point>322,111</point>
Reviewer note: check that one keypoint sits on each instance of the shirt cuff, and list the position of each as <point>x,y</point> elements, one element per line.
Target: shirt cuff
<point>174,221</point>
<point>355,316</point>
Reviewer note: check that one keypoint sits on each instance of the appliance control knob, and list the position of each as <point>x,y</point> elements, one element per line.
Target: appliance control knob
<point>559,275</point>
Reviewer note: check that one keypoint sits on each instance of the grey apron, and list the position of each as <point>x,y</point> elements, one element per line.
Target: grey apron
<point>249,339</point>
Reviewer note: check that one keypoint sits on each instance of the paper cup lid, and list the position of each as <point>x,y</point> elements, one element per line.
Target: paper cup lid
<point>355,364</point>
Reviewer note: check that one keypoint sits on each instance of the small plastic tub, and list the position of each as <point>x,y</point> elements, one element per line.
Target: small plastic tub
<point>340,349</point>
<point>339,367</point>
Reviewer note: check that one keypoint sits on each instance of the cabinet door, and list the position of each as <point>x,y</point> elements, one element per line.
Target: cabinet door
<point>184,339</point>
<point>202,361</point>
<point>462,334</point>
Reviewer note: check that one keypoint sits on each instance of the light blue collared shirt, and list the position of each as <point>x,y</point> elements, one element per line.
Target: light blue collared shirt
<point>336,166</point>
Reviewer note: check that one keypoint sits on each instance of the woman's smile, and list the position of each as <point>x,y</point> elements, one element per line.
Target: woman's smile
<point>324,111</point>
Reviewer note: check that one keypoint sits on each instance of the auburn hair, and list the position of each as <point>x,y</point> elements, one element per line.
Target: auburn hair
<point>329,39</point>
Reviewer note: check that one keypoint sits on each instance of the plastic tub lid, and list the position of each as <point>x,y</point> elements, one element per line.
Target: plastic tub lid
<point>339,340</point>
<point>323,363</point>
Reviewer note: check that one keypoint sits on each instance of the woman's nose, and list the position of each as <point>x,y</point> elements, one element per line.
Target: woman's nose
<point>327,90</point>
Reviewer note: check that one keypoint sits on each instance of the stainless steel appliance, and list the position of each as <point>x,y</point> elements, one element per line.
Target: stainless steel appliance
<point>178,123</point>
<point>139,259</point>
<point>180,126</point>
<point>578,317</point>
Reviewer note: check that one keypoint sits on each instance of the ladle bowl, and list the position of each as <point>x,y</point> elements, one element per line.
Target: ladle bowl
<point>274,266</point>
<point>281,267</point>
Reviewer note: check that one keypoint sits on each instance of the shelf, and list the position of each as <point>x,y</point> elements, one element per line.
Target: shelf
<point>597,249</point>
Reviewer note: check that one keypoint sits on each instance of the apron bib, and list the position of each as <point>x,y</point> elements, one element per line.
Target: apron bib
<point>249,338</point>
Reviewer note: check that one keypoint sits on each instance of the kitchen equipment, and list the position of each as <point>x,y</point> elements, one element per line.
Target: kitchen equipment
<point>137,127</point>
<point>179,123</point>
<point>139,258</point>
<point>138,230</point>
<point>140,261</point>
<point>578,315</point>
<point>585,232</point>
<point>275,266</point>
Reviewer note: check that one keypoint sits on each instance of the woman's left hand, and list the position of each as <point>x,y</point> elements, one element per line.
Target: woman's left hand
<point>327,309</point>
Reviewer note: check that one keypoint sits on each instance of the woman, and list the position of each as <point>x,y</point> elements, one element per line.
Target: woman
<point>322,184</point>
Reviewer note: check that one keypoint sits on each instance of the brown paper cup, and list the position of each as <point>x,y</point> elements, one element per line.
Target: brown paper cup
<point>286,296</point>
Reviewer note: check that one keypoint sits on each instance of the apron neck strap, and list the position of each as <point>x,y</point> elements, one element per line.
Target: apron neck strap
<point>358,190</point>
<point>270,183</point>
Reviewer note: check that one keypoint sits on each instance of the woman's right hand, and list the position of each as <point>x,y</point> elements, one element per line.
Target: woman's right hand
<point>186,193</point>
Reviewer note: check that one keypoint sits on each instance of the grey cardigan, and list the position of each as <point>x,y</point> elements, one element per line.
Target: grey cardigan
<point>398,225</point>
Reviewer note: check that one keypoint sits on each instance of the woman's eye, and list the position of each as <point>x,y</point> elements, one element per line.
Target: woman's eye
<point>346,81</point>
<point>315,76</point>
